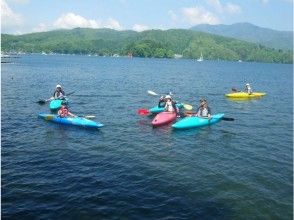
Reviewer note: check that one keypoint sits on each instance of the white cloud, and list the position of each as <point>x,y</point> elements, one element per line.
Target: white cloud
<point>264,1</point>
<point>71,20</point>
<point>140,27</point>
<point>232,8</point>
<point>216,5</point>
<point>289,1</point>
<point>199,15</point>
<point>173,15</point>
<point>21,1</point>
<point>41,28</point>
<point>113,24</point>
<point>225,8</point>
<point>9,19</point>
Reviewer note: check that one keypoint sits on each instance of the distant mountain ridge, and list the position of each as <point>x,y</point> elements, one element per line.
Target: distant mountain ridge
<point>245,31</point>
<point>150,43</point>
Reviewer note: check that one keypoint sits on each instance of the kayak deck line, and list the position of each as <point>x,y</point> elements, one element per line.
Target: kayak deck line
<point>78,121</point>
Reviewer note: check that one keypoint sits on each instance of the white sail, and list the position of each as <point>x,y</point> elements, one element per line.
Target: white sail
<point>200,58</point>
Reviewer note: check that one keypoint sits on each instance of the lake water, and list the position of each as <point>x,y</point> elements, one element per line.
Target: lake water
<point>240,169</point>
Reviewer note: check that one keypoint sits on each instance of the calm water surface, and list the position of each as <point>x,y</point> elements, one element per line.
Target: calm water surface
<point>128,170</point>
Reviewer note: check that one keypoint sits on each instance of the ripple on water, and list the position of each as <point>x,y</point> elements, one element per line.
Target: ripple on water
<point>239,169</point>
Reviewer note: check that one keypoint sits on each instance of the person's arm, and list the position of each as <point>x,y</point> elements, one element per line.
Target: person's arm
<point>175,107</point>
<point>53,96</point>
<point>198,112</point>
<point>208,112</point>
<point>165,106</point>
<point>161,104</point>
<point>250,90</point>
<point>61,95</point>
<point>72,115</point>
<point>59,112</point>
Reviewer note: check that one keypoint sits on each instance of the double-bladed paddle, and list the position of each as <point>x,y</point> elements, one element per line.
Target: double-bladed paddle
<point>186,106</point>
<point>43,101</point>
<point>143,112</point>
<point>50,117</point>
<point>223,118</point>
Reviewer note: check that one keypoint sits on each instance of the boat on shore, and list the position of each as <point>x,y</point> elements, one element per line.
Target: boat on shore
<point>200,59</point>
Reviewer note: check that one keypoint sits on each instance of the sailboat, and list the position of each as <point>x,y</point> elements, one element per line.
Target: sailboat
<point>200,59</point>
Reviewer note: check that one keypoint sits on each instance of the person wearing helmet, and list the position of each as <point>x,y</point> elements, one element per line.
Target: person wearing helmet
<point>203,109</point>
<point>58,93</point>
<point>63,112</point>
<point>248,88</point>
<point>170,105</point>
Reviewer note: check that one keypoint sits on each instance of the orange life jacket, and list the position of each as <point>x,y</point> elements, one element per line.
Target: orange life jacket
<point>63,112</point>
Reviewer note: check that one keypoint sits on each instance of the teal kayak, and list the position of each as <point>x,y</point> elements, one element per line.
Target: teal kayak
<point>157,109</point>
<point>55,104</point>
<point>194,122</point>
<point>78,121</point>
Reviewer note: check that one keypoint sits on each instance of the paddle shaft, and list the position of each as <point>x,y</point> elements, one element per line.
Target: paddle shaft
<point>186,106</point>
<point>50,117</point>
<point>223,118</point>
<point>43,101</point>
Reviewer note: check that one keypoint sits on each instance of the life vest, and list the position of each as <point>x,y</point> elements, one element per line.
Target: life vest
<point>203,112</point>
<point>169,106</point>
<point>58,94</point>
<point>63,112</point>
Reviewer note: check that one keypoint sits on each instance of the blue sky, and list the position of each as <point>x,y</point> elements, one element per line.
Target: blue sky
<point>25,16</point>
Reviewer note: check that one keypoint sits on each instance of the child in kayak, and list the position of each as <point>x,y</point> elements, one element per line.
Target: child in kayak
<point>248,88</point>
<point>58,93</point>
<point>203,109</point>
<point>64,112</point>
<point>170,105</point>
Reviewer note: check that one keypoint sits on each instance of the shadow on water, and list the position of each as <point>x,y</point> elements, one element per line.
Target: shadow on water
<point>242,100</point>
<point>66,127</point>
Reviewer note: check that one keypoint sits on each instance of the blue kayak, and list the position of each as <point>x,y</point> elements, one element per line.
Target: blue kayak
<point>78,121</point>
<point>157,109</point>
<point>55,104</point>
<point>194,121</point>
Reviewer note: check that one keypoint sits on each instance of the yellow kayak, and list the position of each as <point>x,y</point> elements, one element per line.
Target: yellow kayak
<point>245,95</point>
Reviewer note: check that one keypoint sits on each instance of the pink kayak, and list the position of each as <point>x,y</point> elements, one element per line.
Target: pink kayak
<point>164,118</point>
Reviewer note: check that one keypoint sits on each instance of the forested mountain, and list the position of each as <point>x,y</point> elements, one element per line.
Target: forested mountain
<point>151,43</point>
<point>251,33</point>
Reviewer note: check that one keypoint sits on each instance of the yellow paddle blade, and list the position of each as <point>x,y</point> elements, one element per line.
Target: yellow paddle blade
<point>49,117</point>
<point>188,107</point>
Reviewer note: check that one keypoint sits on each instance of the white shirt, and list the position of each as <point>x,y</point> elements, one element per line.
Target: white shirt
<point>169,106</point>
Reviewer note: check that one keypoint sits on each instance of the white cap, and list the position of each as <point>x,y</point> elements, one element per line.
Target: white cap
<point>58,86</point>
<point>247,84</point>
<point>168,97</point>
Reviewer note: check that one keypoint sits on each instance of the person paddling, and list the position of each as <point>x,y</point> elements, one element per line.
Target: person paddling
<point>58,93</point>
<point>63,112</point>
<point>203,109</point>
<point>170,105</point>
<point>248,88</point>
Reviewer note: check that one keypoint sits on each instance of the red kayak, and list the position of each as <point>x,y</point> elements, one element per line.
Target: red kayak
<point>163,118</point>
